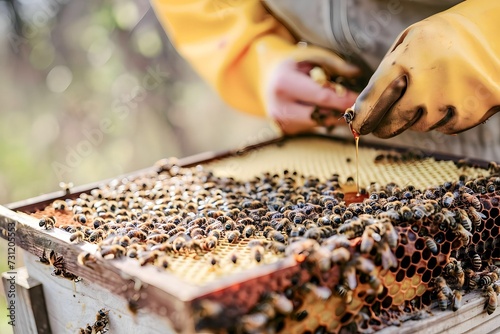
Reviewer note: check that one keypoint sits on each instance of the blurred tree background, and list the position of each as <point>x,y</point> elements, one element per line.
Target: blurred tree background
<point>93,89</point>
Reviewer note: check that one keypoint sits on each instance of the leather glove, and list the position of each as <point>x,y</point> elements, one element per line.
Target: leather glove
<point>442,73</point>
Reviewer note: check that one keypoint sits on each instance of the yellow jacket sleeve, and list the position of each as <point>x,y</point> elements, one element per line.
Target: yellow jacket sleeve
<point>234,45</point>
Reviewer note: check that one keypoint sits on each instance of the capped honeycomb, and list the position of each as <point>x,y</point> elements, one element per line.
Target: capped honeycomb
<point>421,232</point>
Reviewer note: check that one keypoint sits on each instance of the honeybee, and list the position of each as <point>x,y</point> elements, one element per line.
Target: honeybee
<point>431,244</point>
<point>249,231</point>
<point>336,241</point>
<point>442,300</point>
<point>212,260</point>
<point>349,275</point>
<point>391,215</point>
<point>491,301</point>
<point>276,236</point>
<point>179,242</point>
<point>233,236</point>
<point>340,255</point>
<point>150,257</point>
<point>257,253</point>
<point>406,213</point>
<point>113,252</point>
<point>253,322</point>
<point>43,259</point>
<point>487,278</point>
<point>137,234</point>
<point>209,243</point>
<point>96,236</point>
<point>448,200</point>
<point>277,247</point>
<point>233,257</point>
<point>56,261</point>
<point>132,253</point>
<point>364,265</point>
<point>85,258</point>
<point>476,216</point>
<point>476,261</point>
<point>457,300</point>
<point>352,228</point>
<point>321,292</point>
<point>471,279</point>
<point>391,235</point>
<point>464,219</point>
<point>472,200</point>
<point>370,236</point>
<point>281,304</point>
<point>348,115</point>
<point>80,218</point>
<point>388,258</point>
<point>160,238</point>
<point>77,237</point>
<point>215,233</point>
<point>47,222</point>
<point>463,234</point>
<point>302,248</point>
<point>60,205</point>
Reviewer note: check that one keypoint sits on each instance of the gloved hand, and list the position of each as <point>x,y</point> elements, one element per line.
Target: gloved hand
<point>292,95</point>
<point>442,73</point>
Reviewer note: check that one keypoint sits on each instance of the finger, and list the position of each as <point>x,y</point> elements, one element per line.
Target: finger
<point>376,101</point>
<point>301,87</point>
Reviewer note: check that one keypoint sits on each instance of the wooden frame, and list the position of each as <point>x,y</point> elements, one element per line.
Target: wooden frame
<point>164,294</point>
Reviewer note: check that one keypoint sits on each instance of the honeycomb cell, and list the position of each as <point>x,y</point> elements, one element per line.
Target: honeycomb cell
<point>387,302</point>
<point>400,276</point>
<point>383,293</point>
<point>439,237</point>
<point>432,263</point>
<point>489,223</point>
<point>494,212</point>
<point>405,262</point>
<point>400,252</point>
<point>412,236</point>
<point>394,289</point>
<point>340,309</point>
<point>410,294</point>
<point>416,257</point>
<point>346,317</point>
<point>446,246</point>
<point>426,277</point>
<point>406,284</point>
<point>411,271</point>
<point>450,236</point>
<point>426,254</point>
<point>437,271</point>
<point>421,289</point>
<point>420,244</point>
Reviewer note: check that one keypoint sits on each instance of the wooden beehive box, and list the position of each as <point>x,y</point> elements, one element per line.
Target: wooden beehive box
<point>144,299</point>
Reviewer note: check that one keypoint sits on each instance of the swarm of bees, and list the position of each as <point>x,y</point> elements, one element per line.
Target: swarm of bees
<point>390,255</point>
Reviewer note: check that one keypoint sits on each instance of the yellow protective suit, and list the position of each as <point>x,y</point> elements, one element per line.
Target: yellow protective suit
<point>236,45</point>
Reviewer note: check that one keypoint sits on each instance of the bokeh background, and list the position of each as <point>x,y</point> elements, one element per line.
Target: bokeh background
<point>93,89</point>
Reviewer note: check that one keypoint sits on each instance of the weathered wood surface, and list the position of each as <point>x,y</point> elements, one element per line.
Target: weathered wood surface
<point>73,305</point>
<point>29,308</point>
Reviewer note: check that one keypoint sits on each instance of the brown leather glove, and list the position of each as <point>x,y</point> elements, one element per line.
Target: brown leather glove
<point>442,73</point>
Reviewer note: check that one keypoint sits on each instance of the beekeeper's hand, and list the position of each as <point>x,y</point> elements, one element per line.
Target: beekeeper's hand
<point>252,60</point>
<point>442,73</point>
<point>292,94</point>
